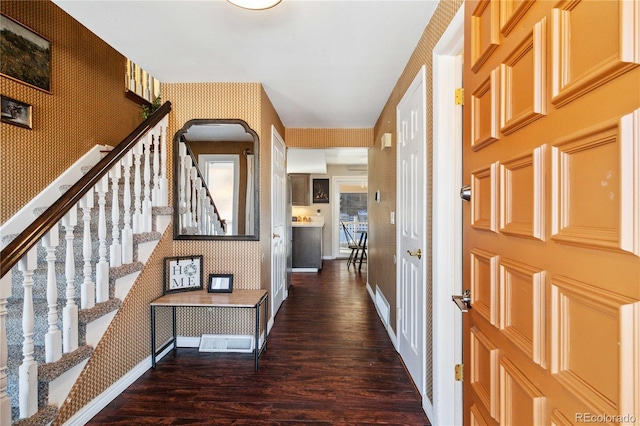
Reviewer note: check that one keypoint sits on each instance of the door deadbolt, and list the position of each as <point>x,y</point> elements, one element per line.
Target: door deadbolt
<point>465,193</point>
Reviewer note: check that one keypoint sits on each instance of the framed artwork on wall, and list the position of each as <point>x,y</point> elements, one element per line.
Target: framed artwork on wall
<point>182,274</point>
<point>321,190</point>
<point>26,56</point>
<point>16,112</point>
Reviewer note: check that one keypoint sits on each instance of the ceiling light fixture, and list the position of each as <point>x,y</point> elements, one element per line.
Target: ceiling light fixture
<point>255,4</point>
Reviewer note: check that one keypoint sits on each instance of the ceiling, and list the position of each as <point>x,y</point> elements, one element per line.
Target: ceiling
<point>323,64</point>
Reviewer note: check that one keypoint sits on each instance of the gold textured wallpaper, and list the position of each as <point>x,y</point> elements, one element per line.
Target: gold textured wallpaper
<point>382,235</point>
<point>297,137</point>
<point>86,105</point>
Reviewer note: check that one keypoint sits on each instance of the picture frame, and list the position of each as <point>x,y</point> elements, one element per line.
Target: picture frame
<point>220,283</point>
<point>16,112</point>
<point>321,191</point>
<point>182,273</point>
<point>26,55</point>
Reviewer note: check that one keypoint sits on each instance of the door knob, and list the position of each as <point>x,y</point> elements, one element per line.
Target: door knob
<point>417,253</point>
<point>276,235</point>
<point>465,193</point>
<point>463,302</point>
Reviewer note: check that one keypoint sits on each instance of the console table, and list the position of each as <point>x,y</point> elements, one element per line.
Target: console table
<point>242,299</point>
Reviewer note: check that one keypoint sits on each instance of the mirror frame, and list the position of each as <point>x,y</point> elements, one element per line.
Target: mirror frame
<point>256,184</point>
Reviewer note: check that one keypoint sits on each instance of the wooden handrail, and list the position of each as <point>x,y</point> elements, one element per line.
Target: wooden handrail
<point>19,247</point>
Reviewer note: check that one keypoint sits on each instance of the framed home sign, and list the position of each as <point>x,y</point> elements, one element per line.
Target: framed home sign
<point>182,274</point>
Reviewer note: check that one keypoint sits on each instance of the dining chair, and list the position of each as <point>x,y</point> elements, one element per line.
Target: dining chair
<point>353,246</point>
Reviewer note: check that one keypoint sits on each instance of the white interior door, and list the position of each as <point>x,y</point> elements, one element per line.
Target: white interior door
<point>411,208</point>
<point>278,222</point>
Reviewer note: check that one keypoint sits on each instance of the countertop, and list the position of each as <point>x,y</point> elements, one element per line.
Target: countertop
<point>316,222</point>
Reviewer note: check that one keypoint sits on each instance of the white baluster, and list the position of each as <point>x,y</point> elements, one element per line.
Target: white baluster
<point>155,193</point>
<point>209,210</point>
<point>5,401</point>
<point>185,189</point>
<point>193,174</point>
<point>200,190</point>
<point>137,188</point>
<point>127,232</point>
<point>164,183</point>
<point>146,201</point>
<point>115,249</point>
<point>102,268</point>
<point>88,288</point>
<point>70,311</point>
<point>53,338</point>
<point>28,371</point>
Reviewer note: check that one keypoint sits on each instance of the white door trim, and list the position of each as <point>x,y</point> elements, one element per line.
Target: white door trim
<point>447,227</point>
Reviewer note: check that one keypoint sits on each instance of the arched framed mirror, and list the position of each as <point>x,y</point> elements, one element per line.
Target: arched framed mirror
<point>216,181</point>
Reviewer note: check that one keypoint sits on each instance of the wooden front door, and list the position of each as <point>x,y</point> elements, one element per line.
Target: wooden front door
<point>552,231</point>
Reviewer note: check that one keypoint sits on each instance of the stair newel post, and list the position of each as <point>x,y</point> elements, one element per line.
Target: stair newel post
<point>53,338</point>
<point>137,188</point>
<point>102,268</point>
<point>5,401</point>
<point>28,371</point>
<point>127,232</point>
<point>115,250</point>
<point>70,310</point>
<point>193,173</point>
<point>164,182</point>
<point>87,290</point>
<point>146,201</point>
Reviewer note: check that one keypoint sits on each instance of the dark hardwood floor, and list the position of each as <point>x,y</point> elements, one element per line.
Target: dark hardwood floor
<point>329,361</point>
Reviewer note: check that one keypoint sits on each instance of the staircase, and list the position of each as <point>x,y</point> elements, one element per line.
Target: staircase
<point>64,277</point>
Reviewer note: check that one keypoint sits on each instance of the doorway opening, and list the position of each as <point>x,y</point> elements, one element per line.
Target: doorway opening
<point>222,177</point>
<point>351,211</point>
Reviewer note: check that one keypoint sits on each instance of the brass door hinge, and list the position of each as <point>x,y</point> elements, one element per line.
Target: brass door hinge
<point>460,96</point>
<point>459,372</point>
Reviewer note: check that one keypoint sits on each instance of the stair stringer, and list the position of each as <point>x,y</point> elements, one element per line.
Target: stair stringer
<point>60,388</point>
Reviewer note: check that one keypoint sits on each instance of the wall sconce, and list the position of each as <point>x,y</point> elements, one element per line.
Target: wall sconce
<point>385,141</point>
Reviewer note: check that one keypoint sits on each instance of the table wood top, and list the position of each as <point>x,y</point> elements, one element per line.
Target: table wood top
<point>238,298</point>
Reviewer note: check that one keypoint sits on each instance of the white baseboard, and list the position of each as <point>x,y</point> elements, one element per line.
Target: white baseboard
<point>87,412</point>
<point>304,270</point>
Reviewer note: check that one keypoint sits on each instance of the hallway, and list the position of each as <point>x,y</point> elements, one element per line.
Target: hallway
<point>329,361</point>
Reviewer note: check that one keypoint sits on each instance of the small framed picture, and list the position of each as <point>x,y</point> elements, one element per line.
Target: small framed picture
<point>16,112</point>
<point>321,190</point>
<point>220,283</point>
<point>182,274</point>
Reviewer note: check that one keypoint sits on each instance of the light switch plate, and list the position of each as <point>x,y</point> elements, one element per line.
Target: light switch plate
<point>393,218</point>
